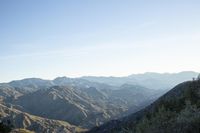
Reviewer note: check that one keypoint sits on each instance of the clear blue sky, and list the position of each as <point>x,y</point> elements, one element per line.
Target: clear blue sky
<point>49,38</point>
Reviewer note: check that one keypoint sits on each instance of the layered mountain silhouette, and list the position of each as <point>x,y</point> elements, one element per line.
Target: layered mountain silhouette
<point>178,111</point>
<point>80,104</point>
<point>150,80</point>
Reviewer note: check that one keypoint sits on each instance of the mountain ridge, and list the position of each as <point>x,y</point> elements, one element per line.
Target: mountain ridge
<point>82,102</point>
<point>180,98</point>
<point>20,119</point>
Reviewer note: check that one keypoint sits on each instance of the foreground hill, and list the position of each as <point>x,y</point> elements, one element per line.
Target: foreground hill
<point>17,119</point>
<point>178,111</point>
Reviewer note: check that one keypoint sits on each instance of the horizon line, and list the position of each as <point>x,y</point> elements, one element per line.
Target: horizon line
<point>99,76</point>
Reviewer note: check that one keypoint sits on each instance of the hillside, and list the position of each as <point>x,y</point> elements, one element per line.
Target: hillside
<point>176,111</point>
<point>86,107</point>
<point>17,119</point>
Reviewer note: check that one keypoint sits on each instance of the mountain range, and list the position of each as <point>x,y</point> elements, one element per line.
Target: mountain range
<point>150,80</point>
<point>80,104</point>
<point>177,111</point>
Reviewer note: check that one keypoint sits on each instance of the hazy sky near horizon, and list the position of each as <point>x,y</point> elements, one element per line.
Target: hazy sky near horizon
<point>48,38</point>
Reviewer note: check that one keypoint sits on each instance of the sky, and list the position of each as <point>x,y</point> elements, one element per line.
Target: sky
<point>50,38</point>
